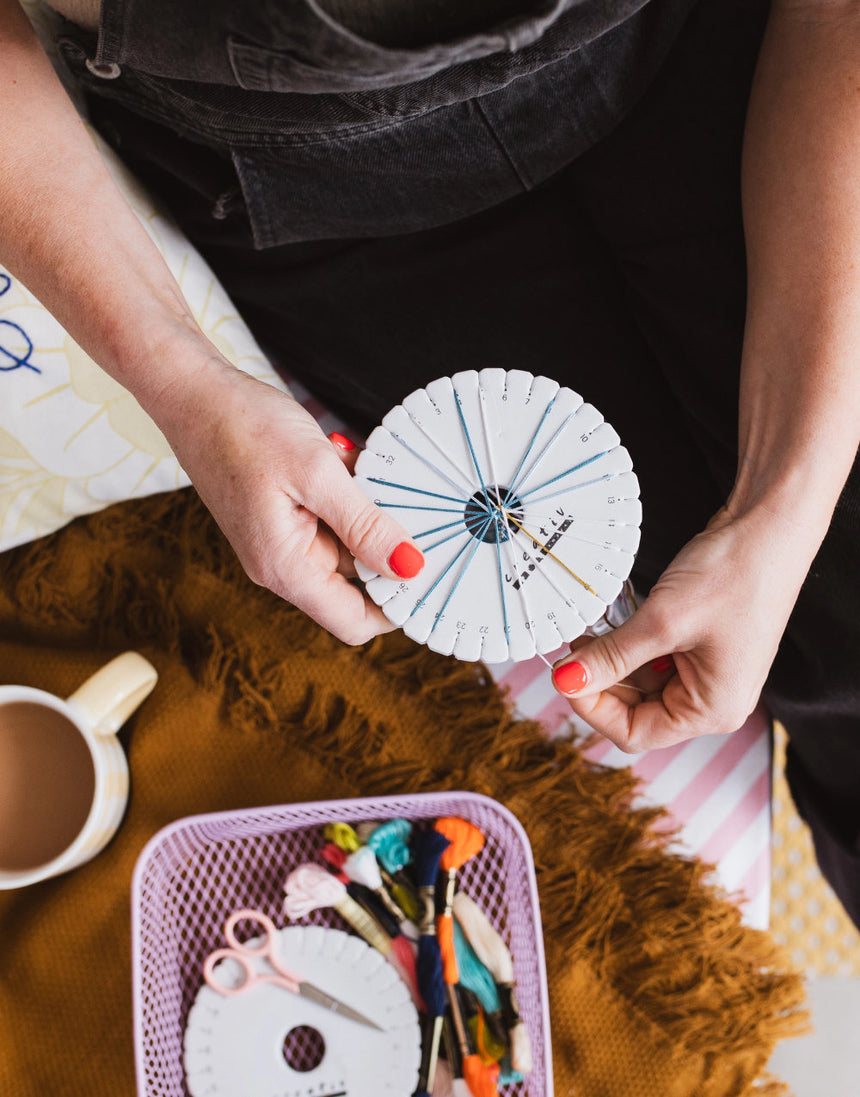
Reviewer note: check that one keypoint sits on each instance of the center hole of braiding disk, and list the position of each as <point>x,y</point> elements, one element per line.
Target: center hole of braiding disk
<point>303,1048</point>
<point>487,503</point>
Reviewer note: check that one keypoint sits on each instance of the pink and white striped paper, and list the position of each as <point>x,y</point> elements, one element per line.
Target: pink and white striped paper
<point>715,788</point>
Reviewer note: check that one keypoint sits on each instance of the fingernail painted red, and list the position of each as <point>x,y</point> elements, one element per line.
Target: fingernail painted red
<point>570,677</point>
<point>406,560</point>
<point>662,664</point>
<point>341,440</point>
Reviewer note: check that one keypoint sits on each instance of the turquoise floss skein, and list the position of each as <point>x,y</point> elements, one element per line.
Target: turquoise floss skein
<point>473,975</point>
<point>390,842</point>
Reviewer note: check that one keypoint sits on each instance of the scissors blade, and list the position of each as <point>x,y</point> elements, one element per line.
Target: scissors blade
<point>308,990</point>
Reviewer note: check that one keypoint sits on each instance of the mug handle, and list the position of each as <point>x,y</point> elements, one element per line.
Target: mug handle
<point>110,696</point>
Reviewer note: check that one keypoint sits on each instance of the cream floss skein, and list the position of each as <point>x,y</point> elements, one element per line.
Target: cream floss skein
<point>494,955</point>
<point>364,830</point>
<point>311,887</point>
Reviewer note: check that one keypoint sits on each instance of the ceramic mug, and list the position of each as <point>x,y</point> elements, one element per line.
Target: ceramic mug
<point>63,774</point>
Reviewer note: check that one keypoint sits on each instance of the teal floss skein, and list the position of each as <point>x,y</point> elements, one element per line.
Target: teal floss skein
<point>473,975</point>
<point>390,843</point>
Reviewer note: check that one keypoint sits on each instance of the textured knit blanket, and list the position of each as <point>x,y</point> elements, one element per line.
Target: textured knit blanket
<point>655,985</point>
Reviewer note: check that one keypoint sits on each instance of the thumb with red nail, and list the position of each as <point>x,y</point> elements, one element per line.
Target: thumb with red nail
<point>284,496</point>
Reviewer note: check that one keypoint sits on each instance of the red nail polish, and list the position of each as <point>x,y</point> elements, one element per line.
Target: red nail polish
<point>406,560</point>
<point>341,440</point>
<point>662,664</point>
<point>570,677</point>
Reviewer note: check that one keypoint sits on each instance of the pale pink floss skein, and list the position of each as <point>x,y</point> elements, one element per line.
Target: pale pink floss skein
<point>446,1086</point>
<point>493,953</point>
<point>363,868</point>
<point>311,887</point>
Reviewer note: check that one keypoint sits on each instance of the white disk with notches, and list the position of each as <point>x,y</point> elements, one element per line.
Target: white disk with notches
<point>524,503</point>
<point>272,1043</point>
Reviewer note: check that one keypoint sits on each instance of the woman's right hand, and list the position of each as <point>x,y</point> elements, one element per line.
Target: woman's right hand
<point>284,497</point>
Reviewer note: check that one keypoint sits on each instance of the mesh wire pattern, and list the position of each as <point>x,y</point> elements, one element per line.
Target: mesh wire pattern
<point>194,873</point>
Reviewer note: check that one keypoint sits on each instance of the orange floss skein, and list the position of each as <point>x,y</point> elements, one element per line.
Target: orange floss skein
<point>466,841</point>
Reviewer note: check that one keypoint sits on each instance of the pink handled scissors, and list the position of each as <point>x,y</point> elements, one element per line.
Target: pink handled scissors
<point>245,953</point>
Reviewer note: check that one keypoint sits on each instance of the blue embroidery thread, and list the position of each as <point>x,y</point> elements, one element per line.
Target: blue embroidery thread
<point>16,360</point>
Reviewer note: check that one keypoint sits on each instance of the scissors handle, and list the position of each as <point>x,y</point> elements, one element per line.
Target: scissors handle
<point>244,954</point>
<point>250,977</point>
<point>266,941</point>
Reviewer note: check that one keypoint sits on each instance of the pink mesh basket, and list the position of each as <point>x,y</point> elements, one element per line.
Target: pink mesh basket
<point>197,871</point>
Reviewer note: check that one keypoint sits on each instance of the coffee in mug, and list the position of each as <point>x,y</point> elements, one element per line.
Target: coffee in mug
<point>63,775</point>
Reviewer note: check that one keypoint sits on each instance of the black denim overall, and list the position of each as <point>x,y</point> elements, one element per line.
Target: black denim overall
<point>559,194</point>
<point>333,136</point>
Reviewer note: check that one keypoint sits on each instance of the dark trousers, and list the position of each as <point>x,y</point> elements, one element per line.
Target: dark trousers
<point>622,277</point>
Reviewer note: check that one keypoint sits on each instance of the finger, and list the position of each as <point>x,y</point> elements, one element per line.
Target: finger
<point>346,563</point>
<point>597,663</point>
<point>345,448</point>
<point>342,608</point>
<point>370,534</point>
<point>638,684</point>
<point>650,679</point>
<point>632,724</point>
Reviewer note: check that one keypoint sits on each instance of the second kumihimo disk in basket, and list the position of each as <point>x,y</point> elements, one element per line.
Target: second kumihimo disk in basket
<point>522,500</point>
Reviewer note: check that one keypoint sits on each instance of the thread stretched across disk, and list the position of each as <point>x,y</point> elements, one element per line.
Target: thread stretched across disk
<point>524,503</point>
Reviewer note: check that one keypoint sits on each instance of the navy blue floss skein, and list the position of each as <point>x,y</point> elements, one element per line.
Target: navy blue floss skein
<point>428,847</point>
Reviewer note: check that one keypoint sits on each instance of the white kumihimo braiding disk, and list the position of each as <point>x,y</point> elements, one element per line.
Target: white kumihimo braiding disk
<point>251,1045</point>
<point>522,500</point>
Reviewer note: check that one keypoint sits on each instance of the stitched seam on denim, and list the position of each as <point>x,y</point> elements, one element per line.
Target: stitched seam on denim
<point>208,126</point>
<point>501,145</point>
<point>111,34</point>
<point>260,211</point>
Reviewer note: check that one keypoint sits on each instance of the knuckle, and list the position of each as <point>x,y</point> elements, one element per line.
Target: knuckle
<point>363,528</point>
<point>355,636</point>
<point>631,745</point>
<point>663,626</point>
<point>611,656</point>
<point>314,473</point>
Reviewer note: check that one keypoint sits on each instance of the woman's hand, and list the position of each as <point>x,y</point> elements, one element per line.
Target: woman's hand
<point>283,496</point>
<point>718,612</point>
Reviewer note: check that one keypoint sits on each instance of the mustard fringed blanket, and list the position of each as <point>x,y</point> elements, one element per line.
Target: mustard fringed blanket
<point>656,988</point>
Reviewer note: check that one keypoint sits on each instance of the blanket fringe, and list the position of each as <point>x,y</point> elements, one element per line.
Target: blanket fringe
<point>649,921</point>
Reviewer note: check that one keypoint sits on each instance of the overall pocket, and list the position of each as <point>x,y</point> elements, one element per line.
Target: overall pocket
<point>393,179</point>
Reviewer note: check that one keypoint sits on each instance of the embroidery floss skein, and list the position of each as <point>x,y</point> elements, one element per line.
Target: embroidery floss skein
<point>477,979</point>
<point>475,1071</point>
<point>390,842</point>
<point>343,835</point>
<point>466,841</point>
<point>361,866</point>
<point>335,859</point>
<point>493,953</point>
<point>428,846</point>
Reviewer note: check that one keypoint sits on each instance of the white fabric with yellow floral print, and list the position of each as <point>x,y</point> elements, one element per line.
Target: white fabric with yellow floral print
<point>72,440</point>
